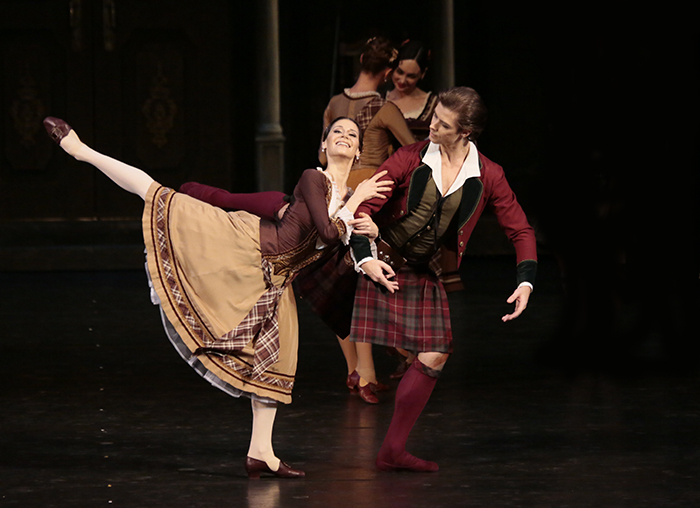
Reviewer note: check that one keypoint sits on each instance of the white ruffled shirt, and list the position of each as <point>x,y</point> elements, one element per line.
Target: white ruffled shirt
<point>337,210</point>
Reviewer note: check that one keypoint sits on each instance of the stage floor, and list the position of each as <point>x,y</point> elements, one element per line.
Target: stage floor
<point>99,410</point>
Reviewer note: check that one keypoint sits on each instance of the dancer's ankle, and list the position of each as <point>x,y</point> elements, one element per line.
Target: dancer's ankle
<point>367,376</point>
<point>268,458</point>
<point>72,145</point>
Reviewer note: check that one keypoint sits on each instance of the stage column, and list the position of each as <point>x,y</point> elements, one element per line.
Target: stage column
<point>269,139</point>
<point>445,68</point>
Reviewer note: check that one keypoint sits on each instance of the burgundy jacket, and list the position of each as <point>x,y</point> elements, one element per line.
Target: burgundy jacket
<point>490,189</point>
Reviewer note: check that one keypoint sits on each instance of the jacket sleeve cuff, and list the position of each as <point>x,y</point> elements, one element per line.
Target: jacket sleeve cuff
<point>527,271</point>
<point>360,246</point>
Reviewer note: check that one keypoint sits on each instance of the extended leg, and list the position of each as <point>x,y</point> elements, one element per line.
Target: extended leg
<point>127,177</point>
<point>267,204</point>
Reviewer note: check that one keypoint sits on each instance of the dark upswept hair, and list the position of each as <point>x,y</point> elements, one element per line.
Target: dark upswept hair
<point>377,55</point>
<point>470,109</point>
<point>327,130</point>
<point>414,50</point>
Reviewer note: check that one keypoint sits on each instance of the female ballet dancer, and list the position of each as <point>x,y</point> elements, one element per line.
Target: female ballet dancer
<point>222,280</point>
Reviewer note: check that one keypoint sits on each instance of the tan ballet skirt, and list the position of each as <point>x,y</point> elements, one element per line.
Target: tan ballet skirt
<point>208,274</point>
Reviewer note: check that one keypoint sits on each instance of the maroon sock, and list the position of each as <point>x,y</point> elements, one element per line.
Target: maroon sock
<point>412,394</point>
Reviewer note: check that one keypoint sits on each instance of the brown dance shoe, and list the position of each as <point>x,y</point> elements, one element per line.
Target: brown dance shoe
<point>57,128</point>
<point>401,369</point>
<point>352,381</point>
<point>405,462</point>
<point>254,467</point>
<point>367,394</point>
<point>379,387</point>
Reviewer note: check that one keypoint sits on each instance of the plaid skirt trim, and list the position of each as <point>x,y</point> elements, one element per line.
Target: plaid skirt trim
<point>415,318</point>
<point>184,318</point>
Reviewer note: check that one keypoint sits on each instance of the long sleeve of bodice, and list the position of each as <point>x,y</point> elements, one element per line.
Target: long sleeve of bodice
<point>313,186</point>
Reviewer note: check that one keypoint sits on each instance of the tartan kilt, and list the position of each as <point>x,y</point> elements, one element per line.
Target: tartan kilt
<point>328,286</point>
<point>415,318</point>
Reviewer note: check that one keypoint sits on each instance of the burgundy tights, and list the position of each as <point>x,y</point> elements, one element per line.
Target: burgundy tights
<point>412,394</point>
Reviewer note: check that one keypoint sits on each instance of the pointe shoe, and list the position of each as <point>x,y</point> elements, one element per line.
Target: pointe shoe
<point>405,462</point>
<point>57,128</point>
<point>254,467</point>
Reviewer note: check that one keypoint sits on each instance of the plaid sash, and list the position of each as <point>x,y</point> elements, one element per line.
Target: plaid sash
<point>260,325</point>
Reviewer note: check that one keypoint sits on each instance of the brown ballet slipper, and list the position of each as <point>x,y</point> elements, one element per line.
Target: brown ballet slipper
<point>254,467</point>
<point>379,387</point>
<point>56,128</point>
<point>353,381</point>
<point>366,392</point>
<point>405,462</point>
<point>401,369</point>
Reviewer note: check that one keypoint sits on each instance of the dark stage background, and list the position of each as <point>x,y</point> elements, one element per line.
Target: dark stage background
<point>593,114</point>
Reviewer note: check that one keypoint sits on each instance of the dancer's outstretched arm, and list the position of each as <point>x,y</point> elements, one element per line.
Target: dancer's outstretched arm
<point>127,177</point>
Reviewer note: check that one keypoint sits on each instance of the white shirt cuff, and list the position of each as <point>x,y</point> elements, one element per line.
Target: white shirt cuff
<point>525,283</point>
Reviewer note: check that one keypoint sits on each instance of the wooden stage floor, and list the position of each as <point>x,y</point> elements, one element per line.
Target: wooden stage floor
<point>98,410</point>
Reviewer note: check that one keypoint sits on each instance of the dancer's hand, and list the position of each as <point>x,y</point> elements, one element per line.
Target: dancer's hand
<point>371,188</point>
<point>380,272</point>
<point>520,296</point>
<point>364,225</point>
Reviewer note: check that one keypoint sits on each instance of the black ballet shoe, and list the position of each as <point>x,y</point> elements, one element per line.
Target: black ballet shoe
<point>57,128</point>
<point>254,467</point>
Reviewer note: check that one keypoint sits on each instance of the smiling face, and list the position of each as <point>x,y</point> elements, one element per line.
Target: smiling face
<point>406,76</point>
<point>343,139</point>
<point>444,127</point>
